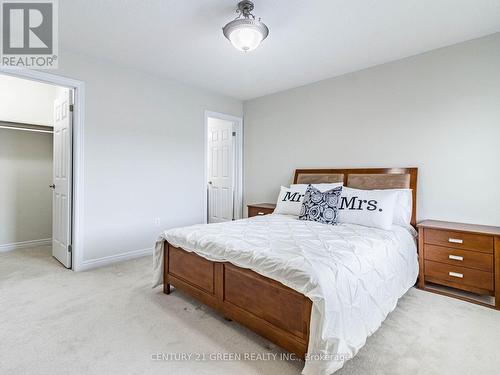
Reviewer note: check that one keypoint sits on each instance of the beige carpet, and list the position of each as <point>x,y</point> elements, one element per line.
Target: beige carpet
<point>109,321</point>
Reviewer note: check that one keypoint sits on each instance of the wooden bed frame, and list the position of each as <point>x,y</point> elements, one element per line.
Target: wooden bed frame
<point>267,307</point>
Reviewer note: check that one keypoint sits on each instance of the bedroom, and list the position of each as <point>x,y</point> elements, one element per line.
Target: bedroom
<point>378,85</point>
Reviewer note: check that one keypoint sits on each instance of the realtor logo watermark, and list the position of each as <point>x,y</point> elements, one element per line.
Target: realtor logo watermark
<point>29,33</point>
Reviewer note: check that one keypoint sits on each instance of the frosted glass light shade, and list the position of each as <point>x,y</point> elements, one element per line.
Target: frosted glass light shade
<point>245,34</point>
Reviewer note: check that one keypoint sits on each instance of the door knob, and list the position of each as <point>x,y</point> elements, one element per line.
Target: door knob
<point>210,182</point>
<point>52,186</point>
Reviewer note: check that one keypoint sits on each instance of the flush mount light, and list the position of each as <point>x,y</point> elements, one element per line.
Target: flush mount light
<point>245,32</point>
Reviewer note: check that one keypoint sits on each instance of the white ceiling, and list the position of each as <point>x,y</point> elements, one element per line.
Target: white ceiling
<point>309,40</point>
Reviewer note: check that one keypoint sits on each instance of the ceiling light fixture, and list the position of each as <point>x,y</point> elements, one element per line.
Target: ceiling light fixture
<point>245,32</point>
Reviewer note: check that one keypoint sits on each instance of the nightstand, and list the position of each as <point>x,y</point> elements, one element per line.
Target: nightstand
<point>460,260</point>
<point>259,209</point>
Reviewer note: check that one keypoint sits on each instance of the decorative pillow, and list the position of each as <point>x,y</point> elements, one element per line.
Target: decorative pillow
<point>372,208</point>
<point>321,206</point>
<point>289,201</point>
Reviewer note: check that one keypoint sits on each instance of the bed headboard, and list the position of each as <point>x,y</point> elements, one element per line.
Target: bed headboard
<point>365,178</point>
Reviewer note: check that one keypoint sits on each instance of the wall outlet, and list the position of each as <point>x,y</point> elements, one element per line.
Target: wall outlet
<point>157,221</point>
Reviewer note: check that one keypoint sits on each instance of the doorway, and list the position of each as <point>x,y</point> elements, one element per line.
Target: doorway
<point>55,180</point>
<point>223,167</point>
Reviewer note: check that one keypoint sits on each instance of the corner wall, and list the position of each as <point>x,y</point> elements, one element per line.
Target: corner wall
<point>144,156</point>
<point>438,111</point>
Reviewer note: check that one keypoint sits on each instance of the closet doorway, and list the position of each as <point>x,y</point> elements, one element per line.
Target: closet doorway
<point>36,167</point>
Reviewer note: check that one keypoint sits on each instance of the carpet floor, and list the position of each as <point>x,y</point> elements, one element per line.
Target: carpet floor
<point>109,321</point>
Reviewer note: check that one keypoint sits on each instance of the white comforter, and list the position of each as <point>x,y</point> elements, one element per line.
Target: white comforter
<point>354,275</point>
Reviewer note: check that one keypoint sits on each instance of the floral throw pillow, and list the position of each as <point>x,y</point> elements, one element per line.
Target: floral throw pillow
<point>321,206</point>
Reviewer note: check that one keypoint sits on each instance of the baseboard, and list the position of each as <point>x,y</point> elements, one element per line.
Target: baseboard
<point>25,244</point>
<point>104,261</point>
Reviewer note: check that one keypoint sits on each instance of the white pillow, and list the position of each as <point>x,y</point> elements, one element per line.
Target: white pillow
<point>403,207</point>
<point>321,187</point>
<point>290,199</point>
<point>372,208</point>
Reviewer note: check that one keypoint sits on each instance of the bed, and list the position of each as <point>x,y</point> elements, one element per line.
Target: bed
<point>316,290</point>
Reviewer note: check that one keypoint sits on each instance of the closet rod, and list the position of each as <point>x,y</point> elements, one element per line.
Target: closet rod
<point>27,127</point>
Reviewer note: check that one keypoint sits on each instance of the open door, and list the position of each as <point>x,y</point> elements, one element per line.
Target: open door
<point>220,170</point>
<point>62,186</point>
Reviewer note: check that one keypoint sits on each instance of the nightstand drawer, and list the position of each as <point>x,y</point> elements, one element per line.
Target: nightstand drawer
<point>459,257</point>
<point>259,211</point>
<point>435,271</point>
<point>459,240</point>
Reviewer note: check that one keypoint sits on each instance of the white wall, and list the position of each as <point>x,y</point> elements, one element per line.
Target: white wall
<point>25,198</point>
<point>26,101</point>
<point>438,111</point>
<point>144,155</point>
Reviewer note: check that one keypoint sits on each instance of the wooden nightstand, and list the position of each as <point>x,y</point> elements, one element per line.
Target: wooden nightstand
<point>460,260</point>
<point>260,209</point>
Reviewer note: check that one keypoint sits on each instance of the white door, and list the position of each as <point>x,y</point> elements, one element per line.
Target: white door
<point>220,170</point>
<point>61,197</point>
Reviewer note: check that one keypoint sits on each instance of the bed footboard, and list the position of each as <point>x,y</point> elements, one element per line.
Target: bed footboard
<point>267,307</point>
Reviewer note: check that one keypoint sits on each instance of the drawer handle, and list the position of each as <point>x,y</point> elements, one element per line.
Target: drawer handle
<point>456,274</point>
<point>455,257</point>
<point>455,240</point>
<point>260,213</point>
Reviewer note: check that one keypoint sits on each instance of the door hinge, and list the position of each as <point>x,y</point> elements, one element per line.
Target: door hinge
<point>71,107</point>
<point>234,134</point>
<point>70,248</point>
